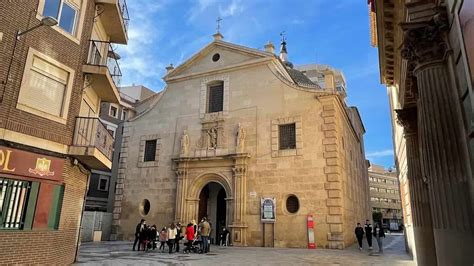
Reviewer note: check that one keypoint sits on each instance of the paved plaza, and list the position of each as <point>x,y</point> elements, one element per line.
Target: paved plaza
<point>120,253</point>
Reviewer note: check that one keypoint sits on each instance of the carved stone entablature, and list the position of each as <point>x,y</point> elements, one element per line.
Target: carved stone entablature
<point>407,118</point>
<point>213,117</point>
<point>425,42</point>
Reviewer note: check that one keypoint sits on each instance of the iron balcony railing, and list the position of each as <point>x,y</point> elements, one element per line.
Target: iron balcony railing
<point>124,11</point>
<point>102,53</point>
<point>91,132</point>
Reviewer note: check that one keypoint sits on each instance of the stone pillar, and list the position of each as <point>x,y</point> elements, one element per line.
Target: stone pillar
<point>443,147</point>
<point>181,192</point>
<point>239,188</point>
<point>419,198</point>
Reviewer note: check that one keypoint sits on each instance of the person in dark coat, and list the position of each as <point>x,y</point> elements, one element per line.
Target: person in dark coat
<point>224,240</point>
<point>178,236</point>
<point>368,233</point>
<point>379,234</point>
<point>138,229</point>
<point>359,232</point>
<point>152,236</point>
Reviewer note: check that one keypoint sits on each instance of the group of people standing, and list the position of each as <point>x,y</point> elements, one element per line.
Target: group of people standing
<point>146,236</point>
<point>369,232</point>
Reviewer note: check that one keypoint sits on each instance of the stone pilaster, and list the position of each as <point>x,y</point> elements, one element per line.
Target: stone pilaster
<point>239,184</point>
<point>333,183</point>
<point>443,148</point>
<point>181,192</point>
<point>419,198</point>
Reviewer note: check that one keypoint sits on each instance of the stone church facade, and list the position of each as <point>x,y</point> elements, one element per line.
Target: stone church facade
<point>235,125</point>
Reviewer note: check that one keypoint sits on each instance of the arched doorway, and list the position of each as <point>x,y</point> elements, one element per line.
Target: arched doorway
<point>213,206</point>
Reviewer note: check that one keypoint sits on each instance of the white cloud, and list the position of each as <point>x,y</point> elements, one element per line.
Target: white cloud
<point>378,154</point>
<point>231,10</point>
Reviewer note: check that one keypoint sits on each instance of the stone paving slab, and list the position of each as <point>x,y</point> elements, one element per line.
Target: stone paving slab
<point>120,253</point>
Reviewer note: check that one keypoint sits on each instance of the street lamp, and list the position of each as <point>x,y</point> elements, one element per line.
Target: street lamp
<point>46,21</point>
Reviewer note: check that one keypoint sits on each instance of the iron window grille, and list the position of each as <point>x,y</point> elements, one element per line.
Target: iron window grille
<point>13,201</point>
<point>287,134</point>
<point>292,204</point>
<point>216,98</point>
<point>150,150</point>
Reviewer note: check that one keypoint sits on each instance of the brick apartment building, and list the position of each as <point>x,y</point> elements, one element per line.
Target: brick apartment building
<point>99,205</point>
<point>53,79</point>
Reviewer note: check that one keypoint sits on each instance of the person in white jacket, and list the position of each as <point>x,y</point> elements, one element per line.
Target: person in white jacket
<point>171,236</point>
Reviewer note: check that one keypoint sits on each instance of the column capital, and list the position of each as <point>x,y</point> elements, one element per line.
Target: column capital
<point>407,118</point>
<point>425,41</point>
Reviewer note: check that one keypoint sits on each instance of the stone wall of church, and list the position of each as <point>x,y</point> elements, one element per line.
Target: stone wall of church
<point>260,101</point>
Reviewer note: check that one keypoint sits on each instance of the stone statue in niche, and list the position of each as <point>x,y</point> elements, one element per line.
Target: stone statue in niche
<point>185,143</point>
<point>212,137</point>
<point>241,134</point>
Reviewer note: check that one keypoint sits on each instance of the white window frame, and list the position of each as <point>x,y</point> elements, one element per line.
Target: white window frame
<point>123,116</point>
<point>116,113</point>
<point>101,177</point>
<point>78,20</point>
<point>32,53</point>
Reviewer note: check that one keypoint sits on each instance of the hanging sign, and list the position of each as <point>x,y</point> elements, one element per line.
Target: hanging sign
<point>268,210</point>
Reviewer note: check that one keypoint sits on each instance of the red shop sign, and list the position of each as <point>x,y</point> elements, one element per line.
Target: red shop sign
<point>23,163</point>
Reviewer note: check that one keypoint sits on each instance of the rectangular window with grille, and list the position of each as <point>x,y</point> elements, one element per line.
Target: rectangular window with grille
<point>287,134</point>
<point>13,202</point>
<point>216,98</point>
<point>150,150</point>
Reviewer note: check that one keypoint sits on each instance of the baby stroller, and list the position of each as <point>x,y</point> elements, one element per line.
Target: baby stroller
<point>195,246</point>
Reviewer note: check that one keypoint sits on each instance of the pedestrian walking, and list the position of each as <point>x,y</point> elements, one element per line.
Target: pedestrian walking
<point>138,229</point>
<point>163,238</point>
<point>359,232</point>
<point>368,233</point>
<point>189,237</point>
<point>178,236</point>
<point>205,230</point>
<point>171,237</point>
<point>224,237</point>
<point>379,235</point>
<point>152,236</point>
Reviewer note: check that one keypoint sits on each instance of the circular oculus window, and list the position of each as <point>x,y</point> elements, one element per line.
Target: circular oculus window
<point>292,204</point>
<point>216,57</point>
<point>144,207</point>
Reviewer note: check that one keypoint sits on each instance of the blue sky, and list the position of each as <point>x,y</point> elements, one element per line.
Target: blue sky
<point>333,32</point>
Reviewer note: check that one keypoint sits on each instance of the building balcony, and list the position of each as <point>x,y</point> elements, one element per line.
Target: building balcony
<point>92,144</point>
<point>114,17</point>
<point>103,67</point>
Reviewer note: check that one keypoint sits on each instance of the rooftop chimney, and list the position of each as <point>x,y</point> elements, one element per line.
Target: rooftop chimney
<point>269,47</point>
<point>169,68</point>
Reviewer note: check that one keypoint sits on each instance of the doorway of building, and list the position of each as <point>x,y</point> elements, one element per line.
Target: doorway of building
<point>212,205</point>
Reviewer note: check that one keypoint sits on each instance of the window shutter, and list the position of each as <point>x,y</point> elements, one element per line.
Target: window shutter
<point>216,98</point>
<point>46,88</point>
<point>150,150</point>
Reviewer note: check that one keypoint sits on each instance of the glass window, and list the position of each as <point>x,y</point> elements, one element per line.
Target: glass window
<point>113,111</point>
<point>150,150</point>
<point>64,12</point>
<point>287,136</point>
<point>68,18</point>
<point>13,199</point>
<point>103,183</point>
<point>51,8</point>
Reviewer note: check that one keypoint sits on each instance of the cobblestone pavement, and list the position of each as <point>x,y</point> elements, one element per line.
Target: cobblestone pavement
<point>120,253</point>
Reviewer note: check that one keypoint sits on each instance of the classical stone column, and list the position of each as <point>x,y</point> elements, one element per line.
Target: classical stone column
<point>443,147</point>
<point>239,188</point>
<point>419,198</point>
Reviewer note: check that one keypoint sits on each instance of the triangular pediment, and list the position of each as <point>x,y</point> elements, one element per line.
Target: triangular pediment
<point>217,55</point>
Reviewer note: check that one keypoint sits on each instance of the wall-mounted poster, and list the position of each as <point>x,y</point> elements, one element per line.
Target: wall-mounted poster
<point>466,19</point>
<point>268,210</point>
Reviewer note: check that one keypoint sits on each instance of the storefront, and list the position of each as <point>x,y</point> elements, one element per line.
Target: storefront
<point>31,190</point>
